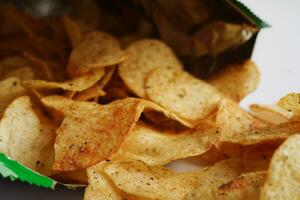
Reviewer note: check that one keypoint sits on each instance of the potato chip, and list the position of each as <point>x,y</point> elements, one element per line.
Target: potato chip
<point>283,180</point>
<point>179,92</point>
<point>90,93</point>
<point>291,103</point>
<point>143,56</point>
<point>27,136</point>
<point>63,105</point>
<point>265,135</point>
<point>232,119</point>
<point>246,186</point>
<point>156,147</point>
<point>73,31</point>
<point>102,188</point>
<point>236,82</point>
<point>151,106</point>
<point>10,88</point>
<point>78,84</point>
<point>212,156</point>
<point>72,177</point>
<point>91,132</point>
<point>257,158</point>
<point>95,50</point>
<point>107,77</point>
<point>138,179</point>
<point>272,114</point>
<point>213,176</point>
<point>96,90</point>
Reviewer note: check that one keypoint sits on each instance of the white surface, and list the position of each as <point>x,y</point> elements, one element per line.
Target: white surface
<point>277,53</point>
<point>277,50</point>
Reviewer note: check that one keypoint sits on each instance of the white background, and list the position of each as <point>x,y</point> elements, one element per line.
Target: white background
<point>277,50</point>
<point>277,53</point>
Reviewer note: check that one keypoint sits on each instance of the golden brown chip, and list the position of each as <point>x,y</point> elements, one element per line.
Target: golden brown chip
<point>257,158</point>
<point>237,82</point>
<point>143,56</point>
<point>283,180</point>
<point>212,156</point>
<point>151,106</point>
<point>27,136</point>
<point>95,50</point>
<point>232,119</point>
<point>10,88</point>
<point>102,188</point>
<point>138,179</point>
<point>184,95</point>
<point>156,147</point>
<point>91,132</point>
<point>271,114</point>
<point>265,135</point>
<point>90,93</point>
<point>78,84</point>
<point>246,186</point>
<point>107,77</point>
<point>291,103</point>
<point>213,176</point>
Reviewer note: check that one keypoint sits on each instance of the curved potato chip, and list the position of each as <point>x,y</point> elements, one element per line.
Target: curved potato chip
<point>265,135</point>
<point>236,82</point>
<point>257,158</point>
<point>232,119</point>
<point>27,136</point>
<point>63,105</point>
<point>91,132</point>
<point>102,188</point>
<point>181,93</point>
<point>107,77</point>
<point>283,180</point>
<point>138,179</point>
<point>142,57</point>
<point>90,93</point>
<point>246,186</point>
<point>78,84</point>
<point>213,176</point>
<point>95,50</point>
<point>272,114</point>
<point>150,106</point>
<point>96,90</point>
<point>10,88</point>
<point>155,147</point>
<point>291,103</point>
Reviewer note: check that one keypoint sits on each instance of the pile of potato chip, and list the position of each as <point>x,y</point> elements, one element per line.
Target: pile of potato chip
<point>78,107</point>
